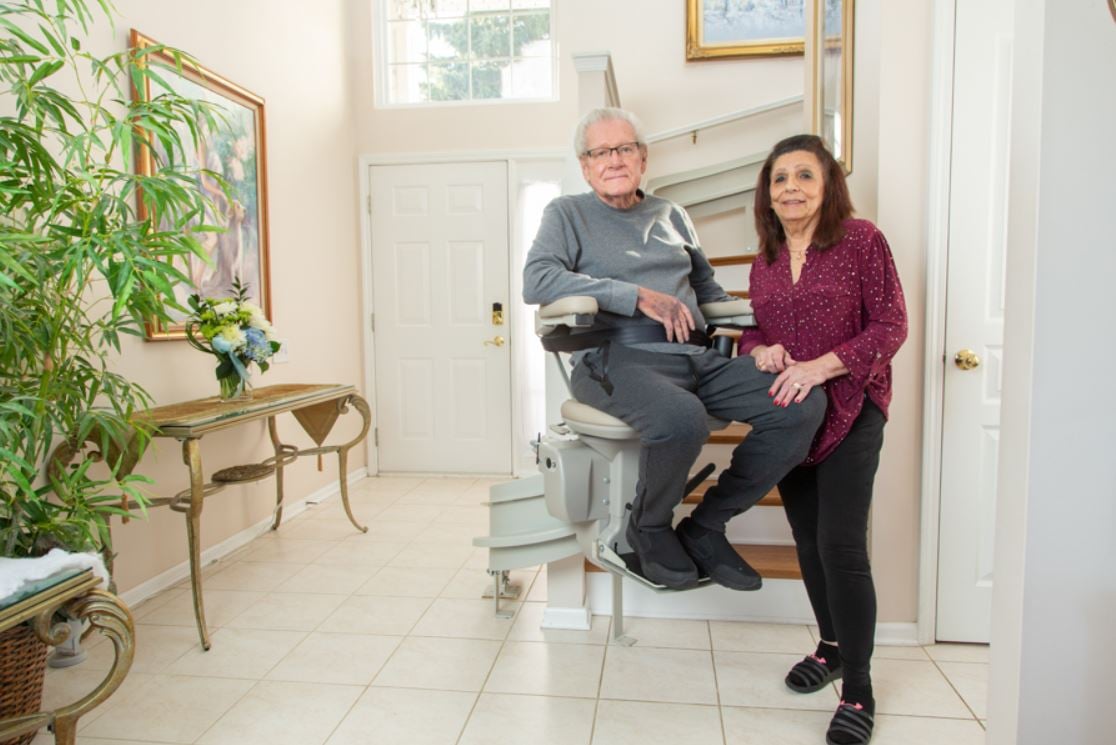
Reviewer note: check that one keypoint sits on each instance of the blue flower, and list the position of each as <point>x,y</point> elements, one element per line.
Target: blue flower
<point>257,349</point>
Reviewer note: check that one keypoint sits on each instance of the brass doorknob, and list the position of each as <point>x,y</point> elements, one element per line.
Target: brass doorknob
<point>966,359</point>
<point>496,341</point>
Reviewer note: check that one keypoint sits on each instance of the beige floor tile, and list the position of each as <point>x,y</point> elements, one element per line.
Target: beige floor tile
<point>286,550</point>
<point>331,579</point>
<point>441,664</point>
<point>681,676</point>
<point>476,517</point>
<point>754,679</point>
<point>362,551</point>
<point>465,619</point>
<point>262,576</point>
<point>668,633</point>
<point>547,669</point>
<point>782,726</point>
<point>394,716</point>
<point>170,708</point>
<point>445,485</point>
<point>321,529</point>
<point>528,628</point>
<point>433,556</point>
<point>735,636</point>
<point>336,658</point>
<point>392,532</point>
<point>389,484</point>
<point>288,611</point>
<point>970,679</point>
<point>410,513</point>
<point>406,582</point>
<point>156,648</point>
<point>66,686</point>
<point>958,652</point>
<point>46,738</point>
<point>500,719</point>
<point>221,606</point>
<point>238,653</point>
<point>891,652</point>
<point>479,557</point>
<point>895,730</point>
<point>640,723</point>
<point>476,583</point>
<point>462,535</point>
<point>913,688</point>
<point>538,588</point>
<point>427,498</point>
<point>367,614</point>
<point>283,713</point>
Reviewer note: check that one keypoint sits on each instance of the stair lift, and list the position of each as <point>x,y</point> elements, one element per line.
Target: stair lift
<point>580,500</point>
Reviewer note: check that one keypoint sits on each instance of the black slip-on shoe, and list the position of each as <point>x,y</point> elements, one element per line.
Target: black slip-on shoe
<point>662,558</point>
<point>716,558</point>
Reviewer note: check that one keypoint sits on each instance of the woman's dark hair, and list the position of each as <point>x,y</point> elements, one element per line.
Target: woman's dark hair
<point>836,206</point>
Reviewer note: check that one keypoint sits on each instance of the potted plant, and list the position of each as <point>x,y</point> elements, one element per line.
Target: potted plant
<point>79,268</point>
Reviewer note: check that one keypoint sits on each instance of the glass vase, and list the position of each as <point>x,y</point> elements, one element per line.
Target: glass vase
<point>234,388</point>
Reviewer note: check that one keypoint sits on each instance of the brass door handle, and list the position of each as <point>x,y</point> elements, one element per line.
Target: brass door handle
<point>966,359</point>
<point>496,341</point>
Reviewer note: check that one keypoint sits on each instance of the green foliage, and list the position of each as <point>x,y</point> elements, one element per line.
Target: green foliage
<point>79,266</point>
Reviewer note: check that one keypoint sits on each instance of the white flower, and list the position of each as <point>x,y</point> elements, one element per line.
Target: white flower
<point>224,308</point>
<point>234,336</point>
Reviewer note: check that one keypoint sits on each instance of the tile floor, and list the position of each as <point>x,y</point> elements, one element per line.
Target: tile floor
<point>325,636</point>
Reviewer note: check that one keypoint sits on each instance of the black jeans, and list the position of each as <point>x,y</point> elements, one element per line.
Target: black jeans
<point>827,507</point>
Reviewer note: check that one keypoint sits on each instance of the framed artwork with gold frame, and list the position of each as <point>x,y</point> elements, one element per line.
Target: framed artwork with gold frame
<point>834,24</point>
<point>720,29</point>
<point>236,151</point>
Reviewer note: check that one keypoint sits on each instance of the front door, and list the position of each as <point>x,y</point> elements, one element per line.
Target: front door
<point>439,265</point>
<point>974,317</point>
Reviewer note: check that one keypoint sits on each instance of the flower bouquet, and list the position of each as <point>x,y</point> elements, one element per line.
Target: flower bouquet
<point>234,331</point>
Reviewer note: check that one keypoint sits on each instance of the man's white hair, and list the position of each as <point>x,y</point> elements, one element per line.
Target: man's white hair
<point>605,114</point>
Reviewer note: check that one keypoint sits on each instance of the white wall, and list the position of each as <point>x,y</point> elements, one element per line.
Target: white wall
<point>293,54</point>
<point>1050,677</point>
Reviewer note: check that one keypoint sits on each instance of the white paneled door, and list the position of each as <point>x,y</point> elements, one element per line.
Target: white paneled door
<point>440,267</point>
<point>974,317</point>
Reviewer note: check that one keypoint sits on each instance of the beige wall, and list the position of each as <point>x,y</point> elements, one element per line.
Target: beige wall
<point>293,55</point>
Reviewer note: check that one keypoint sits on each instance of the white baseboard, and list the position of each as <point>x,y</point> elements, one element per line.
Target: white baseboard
<point>577,619</point>
<point>162,581</point>
<point>897,634</point>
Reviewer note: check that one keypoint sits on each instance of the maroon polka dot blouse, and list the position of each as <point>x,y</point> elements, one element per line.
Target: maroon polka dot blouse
<point>848,301</point>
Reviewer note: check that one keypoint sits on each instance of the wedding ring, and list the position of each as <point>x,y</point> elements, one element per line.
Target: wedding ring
<point>797,386</point>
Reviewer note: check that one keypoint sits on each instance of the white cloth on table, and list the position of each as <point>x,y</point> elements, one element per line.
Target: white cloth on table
<point>18,574</point>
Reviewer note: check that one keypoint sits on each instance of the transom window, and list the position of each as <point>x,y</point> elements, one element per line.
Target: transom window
<point>435,51</point>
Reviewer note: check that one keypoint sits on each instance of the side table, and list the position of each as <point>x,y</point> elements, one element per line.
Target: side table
<point>73,597</point>
<point>316,407</point>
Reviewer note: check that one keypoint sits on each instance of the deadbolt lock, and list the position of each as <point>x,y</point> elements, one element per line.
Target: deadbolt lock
<point>497,314</point>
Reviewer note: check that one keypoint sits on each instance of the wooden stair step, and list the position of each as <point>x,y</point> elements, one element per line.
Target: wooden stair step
<point>771,499</point>
<point>772,562</point>
<point>730,435</point>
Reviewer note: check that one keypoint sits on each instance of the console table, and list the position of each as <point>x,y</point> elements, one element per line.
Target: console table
<point>74,596</point>
<point>316,407</point>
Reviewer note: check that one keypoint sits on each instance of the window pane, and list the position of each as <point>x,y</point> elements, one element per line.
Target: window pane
<point>447,9</point>
<point>526,4</point>
<point>403,9</point>
<point>407,83</point>
<point>481,6</point>
<point>490,36</point>
<point>406,42</point>
<point>491,79</point>
<point>448,82</point>
<point>531,78</point>
<point>448,39</point>
<point>531,33</point>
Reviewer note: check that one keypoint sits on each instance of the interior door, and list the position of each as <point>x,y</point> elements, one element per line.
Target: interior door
<point>974,317</point>
<point>440,267</point>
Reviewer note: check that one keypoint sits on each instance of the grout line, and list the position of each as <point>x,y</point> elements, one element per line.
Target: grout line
<point>953,687</point>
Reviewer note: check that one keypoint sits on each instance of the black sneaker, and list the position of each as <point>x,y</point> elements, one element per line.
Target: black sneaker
<point>716,558</point>
<point>662,558</point>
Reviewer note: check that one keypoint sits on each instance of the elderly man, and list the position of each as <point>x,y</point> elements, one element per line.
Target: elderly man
<point>639,257</point>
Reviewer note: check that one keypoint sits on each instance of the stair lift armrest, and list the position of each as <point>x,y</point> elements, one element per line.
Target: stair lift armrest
<point>575,311</point>
<point>729,314</point>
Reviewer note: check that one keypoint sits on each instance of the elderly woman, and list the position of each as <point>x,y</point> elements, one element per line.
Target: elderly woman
<point>830,314</point>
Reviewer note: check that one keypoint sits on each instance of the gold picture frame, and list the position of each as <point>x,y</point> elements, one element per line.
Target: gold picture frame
<point>834,29</point>
<point>729,40</point>
<point>237,151</point>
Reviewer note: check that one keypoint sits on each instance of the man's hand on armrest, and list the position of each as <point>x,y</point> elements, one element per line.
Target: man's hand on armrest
<point>671,312</point>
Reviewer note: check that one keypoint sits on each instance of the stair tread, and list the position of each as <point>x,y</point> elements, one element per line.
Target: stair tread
<point>772,562</point>
<point>730,435</point>
<point>771,499</point>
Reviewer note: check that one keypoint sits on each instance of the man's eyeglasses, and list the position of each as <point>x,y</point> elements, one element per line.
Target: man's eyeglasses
<point>627,150</point>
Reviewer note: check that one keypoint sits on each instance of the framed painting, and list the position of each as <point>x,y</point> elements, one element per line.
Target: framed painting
<point>834,102</point>
<point>718,29</point>
<point>236,151</point>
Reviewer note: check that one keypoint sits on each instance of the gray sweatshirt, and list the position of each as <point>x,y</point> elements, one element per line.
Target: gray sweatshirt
<point>585,247</point>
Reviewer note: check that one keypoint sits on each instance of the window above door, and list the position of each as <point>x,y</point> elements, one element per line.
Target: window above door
<point>439,52</point>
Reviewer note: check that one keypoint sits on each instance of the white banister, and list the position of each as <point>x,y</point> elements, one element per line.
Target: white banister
<point>692,129</point>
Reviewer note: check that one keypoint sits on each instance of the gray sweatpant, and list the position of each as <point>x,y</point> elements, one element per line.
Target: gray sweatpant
<point>667,397</point>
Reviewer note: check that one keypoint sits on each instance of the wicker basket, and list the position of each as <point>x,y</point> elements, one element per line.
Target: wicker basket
<point>22,664</point>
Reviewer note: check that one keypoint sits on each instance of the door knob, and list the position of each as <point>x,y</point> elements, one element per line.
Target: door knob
<point>966,359</point>
<point>497,341</point>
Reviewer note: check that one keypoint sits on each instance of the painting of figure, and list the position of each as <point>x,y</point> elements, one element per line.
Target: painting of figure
<point>742,28</point>
<point>230,162</point>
